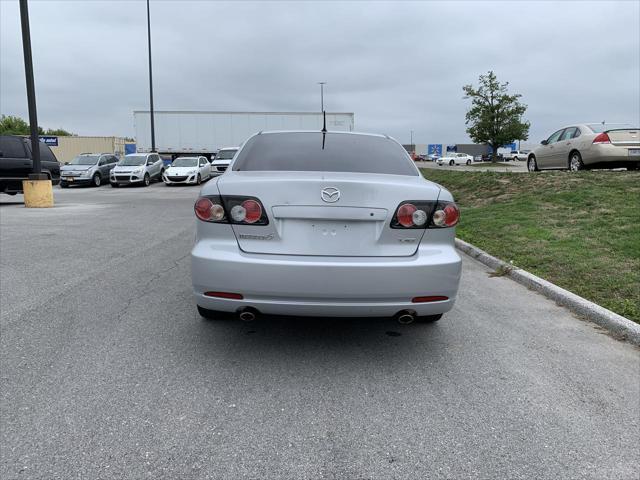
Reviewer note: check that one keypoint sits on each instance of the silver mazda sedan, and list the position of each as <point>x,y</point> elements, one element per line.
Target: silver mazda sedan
<point>325,224</point>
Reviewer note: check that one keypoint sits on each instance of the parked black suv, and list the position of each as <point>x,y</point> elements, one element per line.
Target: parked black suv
<point>16,163</point>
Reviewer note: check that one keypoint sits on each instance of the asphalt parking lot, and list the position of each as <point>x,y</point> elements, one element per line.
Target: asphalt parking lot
<point>107,371</point>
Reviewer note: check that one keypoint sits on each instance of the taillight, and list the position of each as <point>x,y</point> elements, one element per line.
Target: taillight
<point>248,211</point>
<point>423,214</point>
<point>209,209</point>
<point>233,209</point>
<point>446,215</point>
<point>601,138</point>
<point>411,216</point>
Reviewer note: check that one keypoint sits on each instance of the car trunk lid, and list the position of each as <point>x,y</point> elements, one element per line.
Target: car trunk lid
<point>352,220</point>
<point>625,137</point>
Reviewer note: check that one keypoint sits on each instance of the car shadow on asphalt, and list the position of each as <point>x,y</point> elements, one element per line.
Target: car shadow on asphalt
<point>381,338</point>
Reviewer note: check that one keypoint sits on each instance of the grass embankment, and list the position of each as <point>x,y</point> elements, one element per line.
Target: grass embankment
<point>580,231</point>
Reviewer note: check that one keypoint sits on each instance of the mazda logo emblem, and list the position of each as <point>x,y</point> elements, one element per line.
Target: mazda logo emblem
<point>330,194</point>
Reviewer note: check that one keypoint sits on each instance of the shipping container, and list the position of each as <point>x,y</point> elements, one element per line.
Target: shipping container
<point>195,132</point>
<point>66,148</point>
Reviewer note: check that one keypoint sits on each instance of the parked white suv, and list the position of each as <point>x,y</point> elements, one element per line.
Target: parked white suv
<point>223,160</point>
<point>138,168</point>
<point>517,155</point>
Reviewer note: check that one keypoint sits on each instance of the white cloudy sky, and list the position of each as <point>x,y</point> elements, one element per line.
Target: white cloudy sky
<point>399,66</point>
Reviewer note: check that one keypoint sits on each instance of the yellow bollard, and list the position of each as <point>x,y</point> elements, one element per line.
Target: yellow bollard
<point>37,193</point>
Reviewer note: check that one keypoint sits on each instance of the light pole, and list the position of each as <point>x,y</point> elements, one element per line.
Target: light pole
<point>322,84</point>
<point>412,147</point>
<point>31,92</point>
<point>153,132</point>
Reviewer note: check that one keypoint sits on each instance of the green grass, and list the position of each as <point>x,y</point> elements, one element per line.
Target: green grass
<point>580,231</point>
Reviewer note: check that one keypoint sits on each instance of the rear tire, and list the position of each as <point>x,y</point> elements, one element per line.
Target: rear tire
<point>429,318</point>
<point>575,162</point>
<point>532,165</point>
<point>468,162</point>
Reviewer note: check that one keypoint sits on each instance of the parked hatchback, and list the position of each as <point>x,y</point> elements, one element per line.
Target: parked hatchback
<point>588,145</point>
<point>137,169</point>
<point>335,224</point>
<point>187,170</point>
<point>87,169</point>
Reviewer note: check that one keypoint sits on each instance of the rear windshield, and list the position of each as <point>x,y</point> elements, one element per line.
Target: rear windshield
<point>304,152</point>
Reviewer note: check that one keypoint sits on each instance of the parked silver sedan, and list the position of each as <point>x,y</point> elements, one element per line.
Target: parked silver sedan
<point>335,224</point>
<point>589,145</point>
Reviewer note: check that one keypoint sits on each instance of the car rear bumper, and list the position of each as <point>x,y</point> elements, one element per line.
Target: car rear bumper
<point>324,286</point>
<point>609,155</point>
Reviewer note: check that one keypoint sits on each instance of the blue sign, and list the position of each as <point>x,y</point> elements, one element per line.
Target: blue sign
<point>129,148</point>
<point>50,141</point>
<point>434,149</point>
<point>452,148</point>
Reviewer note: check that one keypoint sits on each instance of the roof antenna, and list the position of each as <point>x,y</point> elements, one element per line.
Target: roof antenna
<point>324,127</point>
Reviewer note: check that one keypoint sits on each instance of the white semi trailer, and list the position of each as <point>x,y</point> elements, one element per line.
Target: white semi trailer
<point>203,133</point>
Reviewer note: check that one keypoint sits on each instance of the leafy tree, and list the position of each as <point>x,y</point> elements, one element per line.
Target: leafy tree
<point>60,132</point>
<point>12,125</point>
<point>495,117</point>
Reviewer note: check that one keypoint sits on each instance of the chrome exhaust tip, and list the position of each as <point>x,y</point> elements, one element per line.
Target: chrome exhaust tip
<point>405,317</point>
<point>248,314</point>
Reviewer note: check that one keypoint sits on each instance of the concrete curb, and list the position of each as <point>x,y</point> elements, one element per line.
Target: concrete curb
<point>621,327</point>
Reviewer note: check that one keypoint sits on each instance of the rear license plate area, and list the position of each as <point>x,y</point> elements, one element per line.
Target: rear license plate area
<point>634,152</point>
